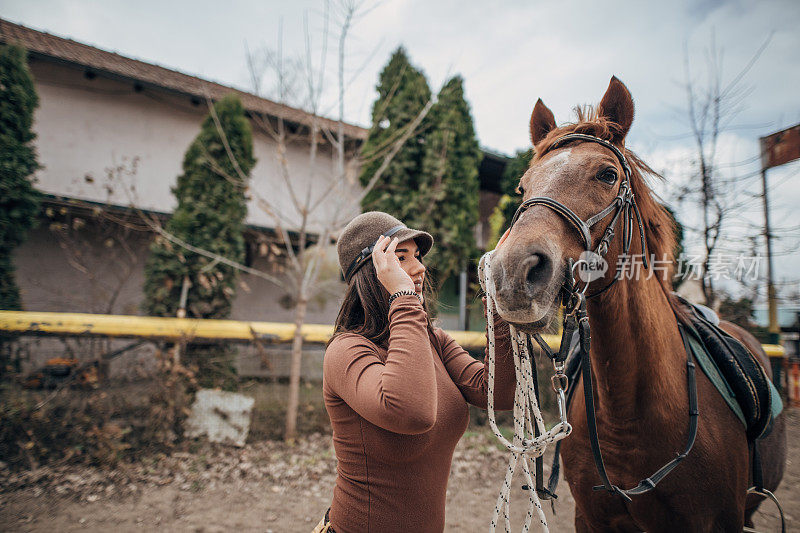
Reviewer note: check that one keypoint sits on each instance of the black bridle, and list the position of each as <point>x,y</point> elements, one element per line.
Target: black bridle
<point>576,318</point>
<point>624,204</point>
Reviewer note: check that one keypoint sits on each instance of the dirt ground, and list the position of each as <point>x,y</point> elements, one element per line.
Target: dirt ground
<point>273,487</point>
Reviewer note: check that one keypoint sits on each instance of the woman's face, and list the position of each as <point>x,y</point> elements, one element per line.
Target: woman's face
<point>411,262</point>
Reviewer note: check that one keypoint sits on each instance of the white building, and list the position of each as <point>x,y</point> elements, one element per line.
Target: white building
<point>112,132</point>
<point>111,135</point>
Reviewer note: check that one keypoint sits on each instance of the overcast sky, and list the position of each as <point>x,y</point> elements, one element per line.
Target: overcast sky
<point>510,53</point>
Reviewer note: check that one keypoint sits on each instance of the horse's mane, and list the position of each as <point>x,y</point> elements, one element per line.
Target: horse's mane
<point>658,223</point>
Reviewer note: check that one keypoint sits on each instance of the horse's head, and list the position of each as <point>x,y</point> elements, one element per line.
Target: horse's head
<point>530,265</point>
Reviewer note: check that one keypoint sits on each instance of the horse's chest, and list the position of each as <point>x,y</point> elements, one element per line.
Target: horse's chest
<point>623,456</point>
<point>632,456</point>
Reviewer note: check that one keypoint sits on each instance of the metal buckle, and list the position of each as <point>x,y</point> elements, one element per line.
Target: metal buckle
<point>576,304</point>
<point>559,382</point>
<point>562,410</point>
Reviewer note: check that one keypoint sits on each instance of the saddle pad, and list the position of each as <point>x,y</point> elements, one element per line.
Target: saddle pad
<point>744,377</point>
<point>711,371</point>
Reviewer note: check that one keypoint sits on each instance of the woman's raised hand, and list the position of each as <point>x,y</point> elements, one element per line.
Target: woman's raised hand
<point>387,266</point>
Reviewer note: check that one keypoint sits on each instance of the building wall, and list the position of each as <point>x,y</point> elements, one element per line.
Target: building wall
<point>98,269</point>
<point>105,140</point>
<point>87,126</point>
<point>81,272</point>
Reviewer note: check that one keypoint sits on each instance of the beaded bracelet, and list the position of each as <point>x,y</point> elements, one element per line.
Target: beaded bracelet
<point>406,292</point>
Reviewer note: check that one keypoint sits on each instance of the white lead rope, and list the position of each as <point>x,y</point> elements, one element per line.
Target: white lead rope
<point>524,444</point>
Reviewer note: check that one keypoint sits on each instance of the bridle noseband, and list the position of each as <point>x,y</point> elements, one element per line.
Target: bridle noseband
<point>624,204</point>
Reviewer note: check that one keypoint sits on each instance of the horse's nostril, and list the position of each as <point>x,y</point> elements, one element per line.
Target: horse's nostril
<point>537,269</point>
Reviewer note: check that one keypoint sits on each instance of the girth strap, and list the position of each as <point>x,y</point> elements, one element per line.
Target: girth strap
<point>650,483</point>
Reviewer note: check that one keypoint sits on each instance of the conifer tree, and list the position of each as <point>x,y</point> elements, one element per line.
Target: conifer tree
<point>19,201</point>
<point>402,93</point>
<point>210,215</point>
<point>449,190</point>
<point>500,219</point>
<point>515,169</point>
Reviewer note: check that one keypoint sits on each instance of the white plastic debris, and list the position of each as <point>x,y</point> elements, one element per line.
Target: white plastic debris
<point>223,417</point>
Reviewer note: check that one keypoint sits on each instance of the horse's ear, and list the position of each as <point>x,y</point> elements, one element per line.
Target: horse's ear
<point>617,106</point>
<point>542,122</point>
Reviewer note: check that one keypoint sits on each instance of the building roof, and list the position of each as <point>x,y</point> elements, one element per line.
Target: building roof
<point>42,44</point>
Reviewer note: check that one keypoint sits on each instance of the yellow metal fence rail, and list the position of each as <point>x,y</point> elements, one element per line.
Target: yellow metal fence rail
<point>84,324</point>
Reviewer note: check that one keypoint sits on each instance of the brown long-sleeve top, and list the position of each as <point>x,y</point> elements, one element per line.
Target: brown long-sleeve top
<point>397,415</point>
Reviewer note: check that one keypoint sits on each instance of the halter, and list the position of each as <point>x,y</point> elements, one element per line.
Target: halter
<point>624,204</point>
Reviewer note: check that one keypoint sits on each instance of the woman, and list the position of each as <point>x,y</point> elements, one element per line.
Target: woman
<point>396,388</point>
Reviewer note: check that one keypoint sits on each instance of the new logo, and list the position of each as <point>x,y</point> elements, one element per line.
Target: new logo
<point>590,266</point>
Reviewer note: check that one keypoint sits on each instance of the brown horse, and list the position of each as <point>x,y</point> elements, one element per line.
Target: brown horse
<point>637,356</point>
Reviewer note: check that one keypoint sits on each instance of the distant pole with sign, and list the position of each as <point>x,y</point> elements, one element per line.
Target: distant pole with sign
<point>776,149</point>
<point>774,328</point>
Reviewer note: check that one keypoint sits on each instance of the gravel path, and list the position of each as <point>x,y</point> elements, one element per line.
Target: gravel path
<point>272,487</point>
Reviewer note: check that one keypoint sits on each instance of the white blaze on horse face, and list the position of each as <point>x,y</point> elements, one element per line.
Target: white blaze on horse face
<point>550,170</point>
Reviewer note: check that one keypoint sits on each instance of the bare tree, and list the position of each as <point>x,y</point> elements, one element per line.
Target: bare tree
<point>101,244</point>
<point>715,186</point>
<point>324,199</point>
<point>321,198</point>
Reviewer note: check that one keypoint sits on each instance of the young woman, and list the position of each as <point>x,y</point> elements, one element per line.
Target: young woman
<point>395,387</point>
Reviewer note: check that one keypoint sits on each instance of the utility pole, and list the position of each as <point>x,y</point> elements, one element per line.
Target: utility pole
<point>776,149</point>
<point>774,327</point>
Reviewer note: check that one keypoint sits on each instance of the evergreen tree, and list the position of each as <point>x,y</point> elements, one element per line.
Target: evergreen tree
<point>449,190</point>
<point>210,215</point>
<point>515,169</point>
<point>739,311</point>
<point>19,201</point>
<point>500,218</point>
<point>402,93</point>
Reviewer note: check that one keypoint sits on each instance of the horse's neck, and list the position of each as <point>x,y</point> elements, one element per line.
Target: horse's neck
<point>637,354</point>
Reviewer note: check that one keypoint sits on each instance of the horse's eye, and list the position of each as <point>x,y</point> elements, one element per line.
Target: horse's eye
<point>607,175</point>
<point>520,190</point>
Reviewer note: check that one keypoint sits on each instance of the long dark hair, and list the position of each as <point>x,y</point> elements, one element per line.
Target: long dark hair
<point>365,309</point>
